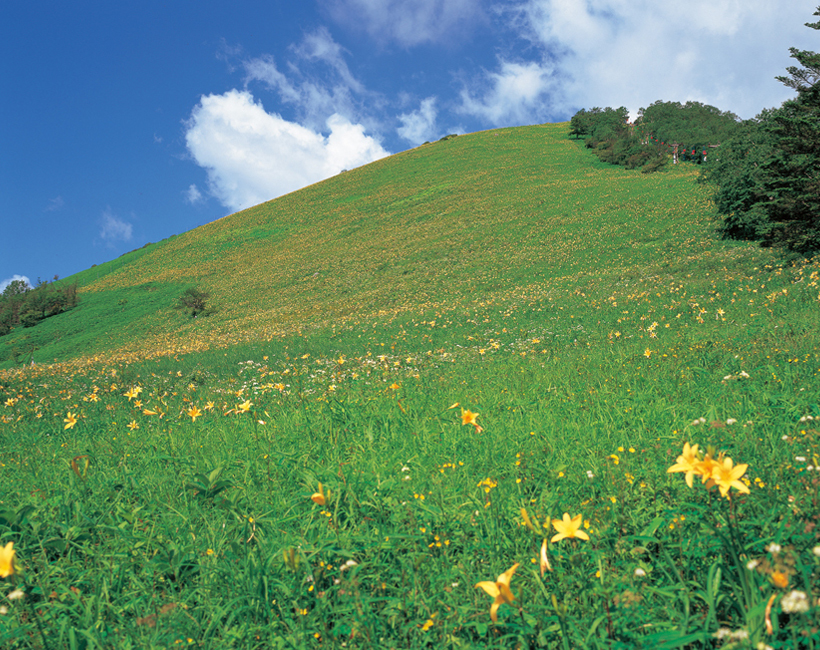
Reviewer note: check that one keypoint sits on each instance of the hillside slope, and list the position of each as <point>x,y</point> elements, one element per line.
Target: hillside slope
<point>511,214</point>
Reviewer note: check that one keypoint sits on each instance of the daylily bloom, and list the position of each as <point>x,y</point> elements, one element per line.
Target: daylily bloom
<point>320,497</point>
<point>133,425</point>
<point>194,413</point>
<point>500,590</point>
<point>244,407</point>
<point>70,420</point>
<point>726,476</point>
<point>687,462</point>
<point>568,528</point>
<point>468,417</point>
<point>7,560</point>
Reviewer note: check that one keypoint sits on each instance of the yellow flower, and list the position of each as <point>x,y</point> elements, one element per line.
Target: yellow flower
<point>244,407</point>
<point>209,406</point>
<point>70,420</point>
<point>726,476</point>
<point>133,425</point>
<point>499,590</point>
<point>568,528</point>
<point>194,413</point>
<point>468,417</point>
<point>687,462</point>
<point>7,560</point>
<point>320,497</point>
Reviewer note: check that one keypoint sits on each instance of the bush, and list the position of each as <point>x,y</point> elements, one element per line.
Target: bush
<point>194,301</point>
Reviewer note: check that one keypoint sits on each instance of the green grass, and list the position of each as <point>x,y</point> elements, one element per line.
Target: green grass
<point>587,314</point>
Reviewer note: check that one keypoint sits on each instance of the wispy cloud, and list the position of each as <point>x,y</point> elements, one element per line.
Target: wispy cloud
<point>114,230</point>
<point>517,93</point>
<point>419,125</point>
<point>193,195</point>
<point>409,22</point>
<point>318,82</point>
<point>55,204</point>
<point>253,156</point>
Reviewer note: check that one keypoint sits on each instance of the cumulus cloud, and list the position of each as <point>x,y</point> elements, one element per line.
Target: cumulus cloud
<point>13,278</point>
<point>420,125</point>
<point>114,230</point>
<point>633,52</point>
<point>253,156</point>
<point>518,93</point>
<point>409,22</point>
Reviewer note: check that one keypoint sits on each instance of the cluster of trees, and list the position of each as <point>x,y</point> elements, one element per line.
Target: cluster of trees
<point>22,305</point>
<point>659,130</point>
<point>767,175</point>
<point>766,171</point>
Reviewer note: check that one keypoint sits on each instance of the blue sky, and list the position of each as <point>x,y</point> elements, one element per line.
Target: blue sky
<point>123,123</point>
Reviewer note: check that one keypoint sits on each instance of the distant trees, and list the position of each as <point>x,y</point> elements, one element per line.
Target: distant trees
<point>767,176</point>
<point>22,305</point>
<point>659,129</point>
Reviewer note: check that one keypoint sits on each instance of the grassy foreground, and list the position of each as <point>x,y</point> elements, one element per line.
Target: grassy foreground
<point>382,455</point>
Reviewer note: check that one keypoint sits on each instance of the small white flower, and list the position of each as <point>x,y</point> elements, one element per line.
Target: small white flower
<point>348,565</point>
<point>774,548</point>
<point>800,459</point>
<point>17,594</point>
<point>639,572</point>
<point>731,421</point>
<point>752,564</point>
<point>816,551</point>
<point>3,610</point>
<point>405,469</point>
<point>590,475</point>
<point>743,374</point>
<point>795,602</point>
<point>784,437</point>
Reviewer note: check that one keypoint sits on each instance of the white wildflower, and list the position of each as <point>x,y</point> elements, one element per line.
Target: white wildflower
<point>774,548</point>
<point>795,602</point>
<point>731,421</point>
<point>639,572</point>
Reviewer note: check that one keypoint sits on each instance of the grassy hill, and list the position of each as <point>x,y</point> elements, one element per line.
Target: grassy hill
<point>491,363</point>
<point>487,216</point>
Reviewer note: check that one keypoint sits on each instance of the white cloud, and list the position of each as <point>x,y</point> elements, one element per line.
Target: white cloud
<point>318,82</point>
<point>114,230</point>
<point>420,125</point>
<point>409,22</point>
<point>633,52</point>
<point>55,204</point>
<point>519,93</point>
<point>13,278</point>
<point>253,156</point>
<point>192,194</point>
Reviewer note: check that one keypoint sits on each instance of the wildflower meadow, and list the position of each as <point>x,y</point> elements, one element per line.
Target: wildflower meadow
<point>532,402</point>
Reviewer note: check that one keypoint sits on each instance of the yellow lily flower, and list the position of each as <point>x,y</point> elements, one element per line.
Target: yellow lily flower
<point>7,560</point>
<point>568,528</point>
<point>726,476</point>
<point>70,420</point>
<point>320,497</point>
<point>244,407</point>
<point>194,413</point>
<point>687,462</point>
<point>499,590</point>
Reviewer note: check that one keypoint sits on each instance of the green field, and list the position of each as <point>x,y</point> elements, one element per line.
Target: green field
<point>157,470</point>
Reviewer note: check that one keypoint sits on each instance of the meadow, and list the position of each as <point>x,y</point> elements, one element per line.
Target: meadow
<point>436,405</point>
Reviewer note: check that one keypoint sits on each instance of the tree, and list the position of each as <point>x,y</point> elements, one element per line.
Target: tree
<point>768,175</point>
